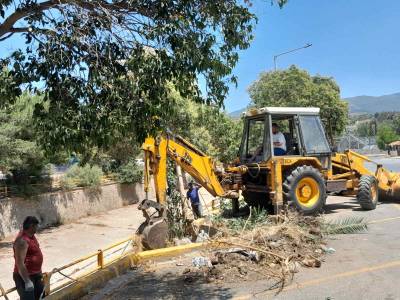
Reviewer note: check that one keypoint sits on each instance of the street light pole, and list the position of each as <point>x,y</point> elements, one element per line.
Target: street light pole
<point>290,51</point>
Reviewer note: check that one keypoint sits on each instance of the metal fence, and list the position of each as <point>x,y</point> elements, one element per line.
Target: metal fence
<point>41,188</point>
<point>67,274</point>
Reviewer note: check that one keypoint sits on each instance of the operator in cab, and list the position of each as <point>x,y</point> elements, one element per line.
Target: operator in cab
<point>28,262</point>
<point>279,141</point>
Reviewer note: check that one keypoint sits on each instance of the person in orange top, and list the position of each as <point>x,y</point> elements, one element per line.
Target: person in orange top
<point>28,261</point>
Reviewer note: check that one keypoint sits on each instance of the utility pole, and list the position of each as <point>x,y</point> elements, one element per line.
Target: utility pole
<point>290,51</point>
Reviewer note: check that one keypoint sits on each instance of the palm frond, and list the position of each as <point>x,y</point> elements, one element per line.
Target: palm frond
<point>347,225</point>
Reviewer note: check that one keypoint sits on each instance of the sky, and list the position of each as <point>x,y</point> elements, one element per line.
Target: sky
<point>357,42</point>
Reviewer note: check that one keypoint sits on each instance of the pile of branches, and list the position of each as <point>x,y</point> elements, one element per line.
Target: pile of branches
<point>269,247</point>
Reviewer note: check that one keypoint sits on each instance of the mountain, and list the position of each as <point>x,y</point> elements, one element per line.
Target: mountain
<point>360,104</point>
<point>237,113</point>
<point>371,104</point>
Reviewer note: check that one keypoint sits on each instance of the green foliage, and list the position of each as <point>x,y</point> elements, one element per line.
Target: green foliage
<point>386,135</point>
<point>107,77</point>
<point>177,224</point>
<point>130,173</point>
<point>366,129</point>
<point>208,128</point>
<point>68,183</point>
<point>348,225</point>
<point>9,89</point>
<point>20,154</point>
<point>396,123</point>
<point>257,217</point>
<point>86,176</point>
<point>296,87</point>
<point>175,219</point>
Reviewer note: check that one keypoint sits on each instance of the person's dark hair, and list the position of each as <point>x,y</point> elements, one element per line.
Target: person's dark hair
<point>276,125</point>
<point>29,221</point>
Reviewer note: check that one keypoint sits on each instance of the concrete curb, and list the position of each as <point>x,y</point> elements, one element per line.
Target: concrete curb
<point>98,278</point>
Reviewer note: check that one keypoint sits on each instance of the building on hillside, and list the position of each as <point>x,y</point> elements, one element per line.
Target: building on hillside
<point>395,146</point>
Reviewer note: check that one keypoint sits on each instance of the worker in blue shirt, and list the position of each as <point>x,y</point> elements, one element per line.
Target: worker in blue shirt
<point>193,196</point>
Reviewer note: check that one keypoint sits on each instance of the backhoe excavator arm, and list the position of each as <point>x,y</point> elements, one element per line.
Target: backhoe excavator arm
<point>200,166</point>
<point>193,161</point>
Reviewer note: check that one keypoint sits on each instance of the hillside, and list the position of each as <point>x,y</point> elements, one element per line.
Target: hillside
<point>370,104</point>
<point>360,104</point>
<point>237,113</point>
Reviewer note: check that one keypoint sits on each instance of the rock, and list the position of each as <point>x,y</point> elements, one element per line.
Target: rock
<point>183,241</point>
<point>205,225</point>
<point>311,262</point>
<point>315,231</point>
<point>202,237</point>
<point>327,250</point>
<point>318,251</point>
<point>210,279</point>
<point>294,267</point>
<point>201,261</point>
<point>275,244</point>
<point>330,250</point>
<point>187,270</point>
<point>214,271</point>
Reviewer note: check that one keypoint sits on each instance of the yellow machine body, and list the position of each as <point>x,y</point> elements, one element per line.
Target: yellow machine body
<point>304,175</point>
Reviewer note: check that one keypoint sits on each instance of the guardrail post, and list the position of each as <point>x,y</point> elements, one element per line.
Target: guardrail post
<point>46,282</point>
<point>100,259</point>
<point>3,292</point>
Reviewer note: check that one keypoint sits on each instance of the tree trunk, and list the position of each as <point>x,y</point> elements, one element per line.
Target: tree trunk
<point>186,211</point>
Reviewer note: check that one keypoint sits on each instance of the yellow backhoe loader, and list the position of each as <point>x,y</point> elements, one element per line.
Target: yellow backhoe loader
<point>302,177</point>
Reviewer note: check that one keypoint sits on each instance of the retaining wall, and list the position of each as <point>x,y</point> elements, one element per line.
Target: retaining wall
<point>64,207</point>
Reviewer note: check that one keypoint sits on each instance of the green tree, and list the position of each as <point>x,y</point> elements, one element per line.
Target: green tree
<point>207,127</point>
<point>366,128</point>
<point>19,152</point>
<point>386,135</point>
<point>396,123</point>
<point>296,87</point>
<point>104,65</point>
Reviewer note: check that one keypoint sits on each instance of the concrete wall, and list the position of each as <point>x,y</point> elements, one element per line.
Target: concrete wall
<point>63,207</point>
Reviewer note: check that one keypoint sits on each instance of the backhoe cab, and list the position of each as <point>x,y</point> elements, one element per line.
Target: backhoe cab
<point>296,172</point>
<point>301,127</point>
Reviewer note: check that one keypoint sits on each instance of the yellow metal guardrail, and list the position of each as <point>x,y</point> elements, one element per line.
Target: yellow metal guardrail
<point>100,259</point>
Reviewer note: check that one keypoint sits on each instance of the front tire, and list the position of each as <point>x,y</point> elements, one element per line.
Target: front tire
<point>368,195</point>
<point>305,188</point>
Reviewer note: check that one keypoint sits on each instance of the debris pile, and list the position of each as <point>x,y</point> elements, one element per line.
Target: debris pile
<point>272,248</point>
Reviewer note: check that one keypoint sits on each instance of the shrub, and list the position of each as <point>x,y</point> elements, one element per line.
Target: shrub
<point>82,176</point>
<point>67,183</point>
<point>130,173</point>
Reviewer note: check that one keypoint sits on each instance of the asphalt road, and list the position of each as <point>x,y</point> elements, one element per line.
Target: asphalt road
<point>390,163</point>
<point>364,266</point>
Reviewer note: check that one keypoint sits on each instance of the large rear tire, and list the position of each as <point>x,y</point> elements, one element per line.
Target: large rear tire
<point>368,194</point>
<point>305,188</point>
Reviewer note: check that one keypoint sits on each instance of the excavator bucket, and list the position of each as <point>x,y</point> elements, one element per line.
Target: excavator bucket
<point>154,234</point>
<point>153,231</point>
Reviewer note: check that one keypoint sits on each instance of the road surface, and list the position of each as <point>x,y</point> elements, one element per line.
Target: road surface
<point>390,163</point>
<point>364,266</point>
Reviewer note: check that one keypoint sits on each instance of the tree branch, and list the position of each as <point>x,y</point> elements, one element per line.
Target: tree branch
<point>21,13</point>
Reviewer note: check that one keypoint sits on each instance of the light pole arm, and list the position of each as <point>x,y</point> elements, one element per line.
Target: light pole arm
<point>290,51</point>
